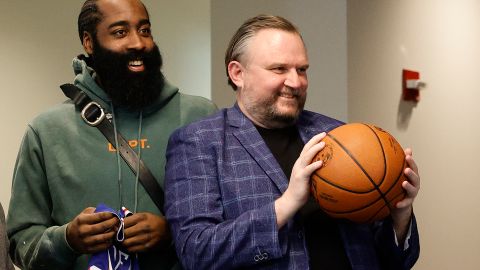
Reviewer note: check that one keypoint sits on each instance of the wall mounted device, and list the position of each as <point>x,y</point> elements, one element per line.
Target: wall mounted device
<point>411,85</point>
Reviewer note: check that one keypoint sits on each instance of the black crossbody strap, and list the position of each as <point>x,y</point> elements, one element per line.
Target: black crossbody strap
<point>93,114</point>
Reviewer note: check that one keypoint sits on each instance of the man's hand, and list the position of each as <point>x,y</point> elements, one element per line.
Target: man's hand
<point>91,232</point>
<point>298,189</point>
<point>402,214</point>
<point>145,231</point>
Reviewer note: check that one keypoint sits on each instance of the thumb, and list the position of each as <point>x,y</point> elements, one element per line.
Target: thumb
<point>89,210</point>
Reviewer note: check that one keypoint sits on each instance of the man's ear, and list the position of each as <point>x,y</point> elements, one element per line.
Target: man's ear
<point>235,72</point>
<point>87,42</point>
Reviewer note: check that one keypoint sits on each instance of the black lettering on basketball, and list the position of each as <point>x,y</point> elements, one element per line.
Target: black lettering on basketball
<point>328,197</point>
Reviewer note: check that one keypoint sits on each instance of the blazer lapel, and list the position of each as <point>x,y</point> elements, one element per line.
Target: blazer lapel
<point>307,128</point>
<point>250,139</point>
<point>310,124</point>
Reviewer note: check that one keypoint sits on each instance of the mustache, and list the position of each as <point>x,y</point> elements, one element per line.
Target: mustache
<point>131,90</point>
<point>135,55</point>
<point>291,92</point>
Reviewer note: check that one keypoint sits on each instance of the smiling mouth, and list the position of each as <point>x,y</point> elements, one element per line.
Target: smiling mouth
<point>136,65</point>
<point>288,95</point>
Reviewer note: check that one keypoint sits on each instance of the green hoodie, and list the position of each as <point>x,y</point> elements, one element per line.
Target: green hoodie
<point>65,165</point>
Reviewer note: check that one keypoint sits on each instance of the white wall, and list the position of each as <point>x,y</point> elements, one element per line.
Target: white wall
<point>182,31</point>
<point>323,26</point>
<point>39,40</point>
<point>441,39</point>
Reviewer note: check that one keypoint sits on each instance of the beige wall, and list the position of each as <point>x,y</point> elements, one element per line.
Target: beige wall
<point>438,38</point>
<point>441,39</point>
<point>39,40</point>
<point>323,26</point>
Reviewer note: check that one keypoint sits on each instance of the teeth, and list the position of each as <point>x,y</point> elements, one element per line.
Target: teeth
<point>136,63</point>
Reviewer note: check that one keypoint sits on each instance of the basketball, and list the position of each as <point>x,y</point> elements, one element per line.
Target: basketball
<point>361,175</point>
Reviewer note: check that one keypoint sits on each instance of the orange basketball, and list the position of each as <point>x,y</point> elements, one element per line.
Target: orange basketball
<point>362,173</point>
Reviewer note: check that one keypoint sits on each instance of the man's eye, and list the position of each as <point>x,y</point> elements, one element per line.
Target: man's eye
<point>119,33</point>
<point>302,70</point>
<point>279,69</point>
<point>145,31</point>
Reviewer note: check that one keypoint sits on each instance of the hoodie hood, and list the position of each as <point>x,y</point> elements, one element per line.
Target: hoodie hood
<point>85,78</point>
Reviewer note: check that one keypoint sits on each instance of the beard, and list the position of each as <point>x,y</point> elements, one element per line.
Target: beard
<point>131,90</point>
<point>269,111</point>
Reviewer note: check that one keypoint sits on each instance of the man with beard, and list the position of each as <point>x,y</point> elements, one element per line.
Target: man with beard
<point>5,262</point>
<point>237,183</point>
<point>66,167</point>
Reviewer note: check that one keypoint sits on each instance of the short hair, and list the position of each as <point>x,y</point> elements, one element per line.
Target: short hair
<point>90,16</point>
<point>239,42</point>
<point>88,19</point>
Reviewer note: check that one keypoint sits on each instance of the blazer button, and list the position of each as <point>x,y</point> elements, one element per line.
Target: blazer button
<point>261,256</point>
<point>300,234</point>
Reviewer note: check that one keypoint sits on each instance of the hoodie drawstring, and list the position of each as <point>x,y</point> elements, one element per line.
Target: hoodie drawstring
<point>119,180</point>
<point>139,157</point>
<point>139,149</point>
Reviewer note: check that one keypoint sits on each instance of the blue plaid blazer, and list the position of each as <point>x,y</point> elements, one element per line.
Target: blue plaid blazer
<point>221,182</point>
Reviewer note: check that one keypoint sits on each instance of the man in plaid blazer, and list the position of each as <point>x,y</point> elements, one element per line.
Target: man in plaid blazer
<point>237,182</point>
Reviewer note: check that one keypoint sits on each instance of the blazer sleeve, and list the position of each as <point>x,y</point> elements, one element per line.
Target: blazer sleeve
<point>391,255</point>
<point>204,239</point>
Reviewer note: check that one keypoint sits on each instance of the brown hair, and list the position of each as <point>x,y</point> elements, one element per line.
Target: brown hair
<point>237,47</point>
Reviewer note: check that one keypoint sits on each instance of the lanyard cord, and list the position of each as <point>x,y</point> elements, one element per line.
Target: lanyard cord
<point>138,161</point>
<point>139,149</point>
<point>119,179</point>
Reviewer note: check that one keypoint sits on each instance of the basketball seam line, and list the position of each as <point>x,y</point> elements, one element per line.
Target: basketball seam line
<point>390,207</point>
<point>352,210</point>
<point>354,192</point>
<point>344,188</point>
<point>384,168</point>
<point>361,167</point>
<point>361,208</point>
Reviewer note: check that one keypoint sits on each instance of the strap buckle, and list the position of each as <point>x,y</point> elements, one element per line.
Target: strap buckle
<point>95,116</point>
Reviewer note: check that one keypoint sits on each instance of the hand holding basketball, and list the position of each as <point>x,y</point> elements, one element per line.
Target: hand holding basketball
<point>298,189</point>
<point>362,174</point>
<point>401,215</point>
<point>299,185</point>
<point>411,186</point>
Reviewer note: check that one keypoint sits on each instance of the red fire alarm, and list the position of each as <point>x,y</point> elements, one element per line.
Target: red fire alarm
<point>411,85</point>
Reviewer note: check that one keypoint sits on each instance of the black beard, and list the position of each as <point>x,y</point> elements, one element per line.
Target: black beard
<point>127,89</point>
